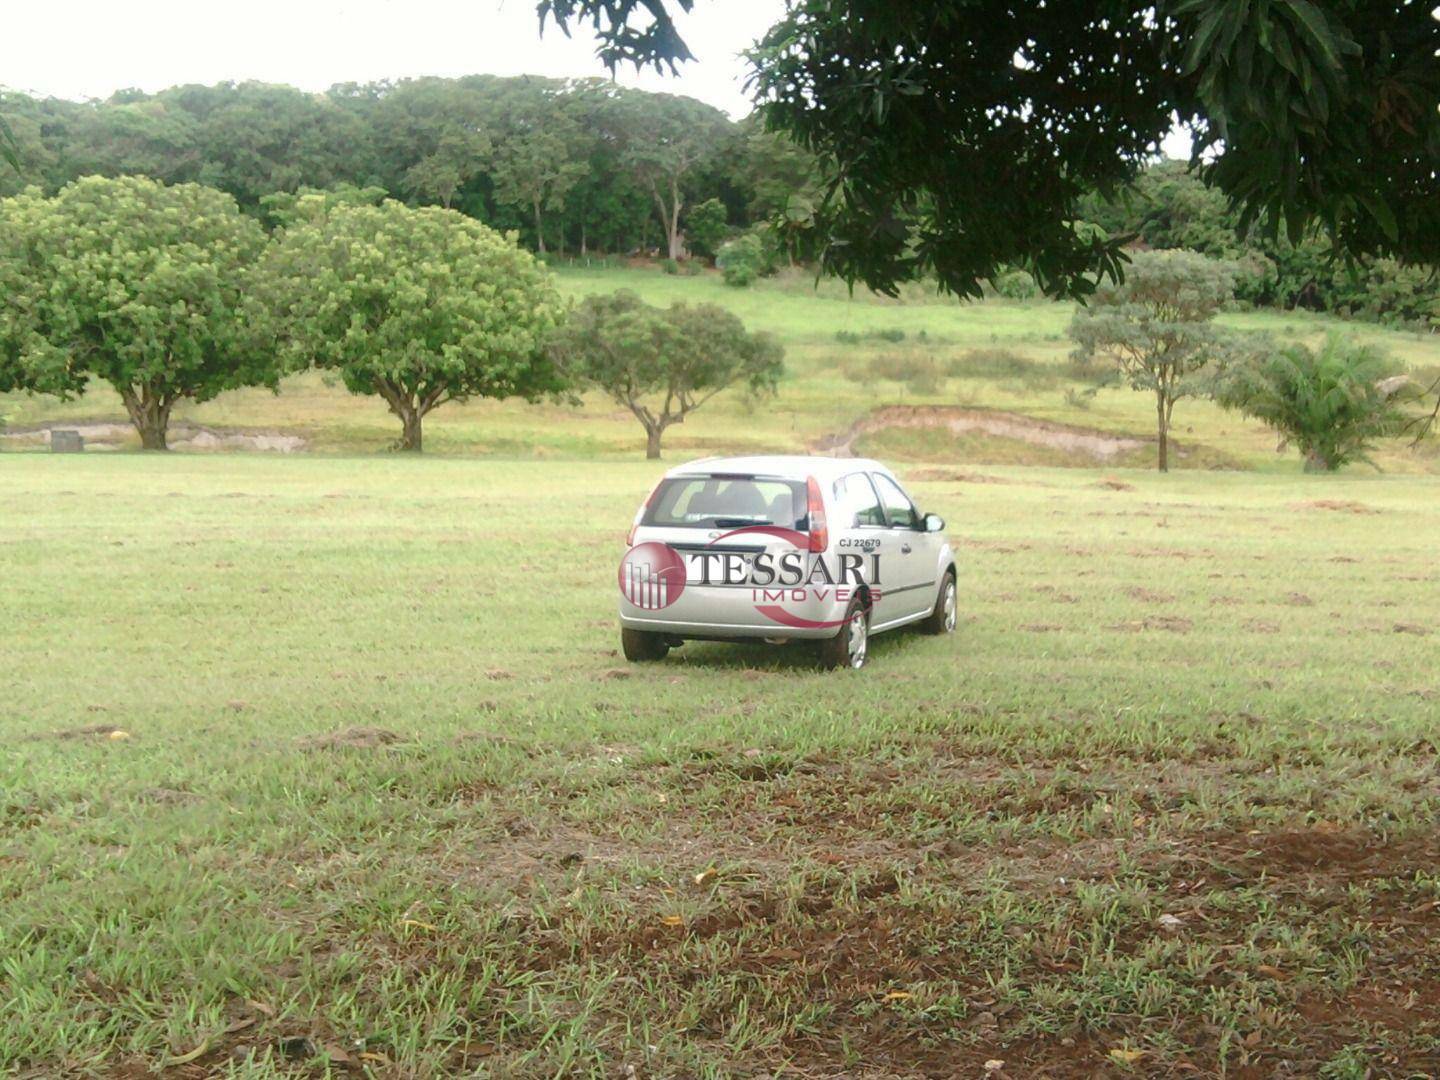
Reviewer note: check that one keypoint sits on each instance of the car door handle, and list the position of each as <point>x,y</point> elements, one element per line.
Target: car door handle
<point>904,549</point>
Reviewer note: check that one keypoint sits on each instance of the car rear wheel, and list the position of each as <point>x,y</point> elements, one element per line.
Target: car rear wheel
<point>641,645</point>
<point>851,646</point>
<point>942,619</point>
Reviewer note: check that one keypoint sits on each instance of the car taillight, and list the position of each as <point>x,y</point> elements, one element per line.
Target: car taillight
<point>815,511</point>
<point>640,514</point>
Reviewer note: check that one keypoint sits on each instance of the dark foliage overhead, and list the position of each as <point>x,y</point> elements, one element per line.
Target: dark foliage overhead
<point>959,134</point>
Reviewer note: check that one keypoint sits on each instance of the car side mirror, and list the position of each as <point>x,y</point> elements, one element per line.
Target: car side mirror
<point>934,523</point>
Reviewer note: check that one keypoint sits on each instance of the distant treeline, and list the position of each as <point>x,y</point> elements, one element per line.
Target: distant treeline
<point>1168,207</point>
<point>575,166</point>
<point>585,166</point>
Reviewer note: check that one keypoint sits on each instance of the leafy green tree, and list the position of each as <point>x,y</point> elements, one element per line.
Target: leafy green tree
<point>9,148</point>
<point>1158,327</point>
<point>1331,404</point>
<point>539,156</point>
<point>667,141</point>
<point>741,260</point>
<point>137,136</point>
<point>706,227</point>
<point>458,155</point>
<point>285,208</point>
<point>136,283</point>
<point>959,135</point>
<point>663,364</point>
<point>420,306</point>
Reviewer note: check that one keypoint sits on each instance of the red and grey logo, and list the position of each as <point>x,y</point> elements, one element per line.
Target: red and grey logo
<point>652,576</point>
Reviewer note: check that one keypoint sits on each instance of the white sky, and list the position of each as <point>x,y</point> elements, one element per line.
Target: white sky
<point>91,48</point>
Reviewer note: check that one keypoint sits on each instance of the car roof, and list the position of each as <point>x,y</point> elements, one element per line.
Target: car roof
<point>789,466</point>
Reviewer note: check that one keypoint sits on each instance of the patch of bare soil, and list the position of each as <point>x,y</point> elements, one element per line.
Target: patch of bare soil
<point>1149,596</point>
<point>1411,628</point>
<point>107,435</point>
<point>1175,624</point>
<point>360,738</point>
<point>1083,442</point>
<point>1111,483</point>
<point>1343,506</point>
<point>89,731</point>
<point>954,476</point>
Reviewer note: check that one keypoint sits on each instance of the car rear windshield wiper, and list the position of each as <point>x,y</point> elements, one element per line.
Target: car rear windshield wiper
<point>737,522</point>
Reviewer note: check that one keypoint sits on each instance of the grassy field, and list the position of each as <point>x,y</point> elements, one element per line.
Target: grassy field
<point>994,355</point>
<point>315,764</point>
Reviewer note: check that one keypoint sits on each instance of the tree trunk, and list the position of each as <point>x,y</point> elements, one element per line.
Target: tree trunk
<point>150,413</point>
<point>410,436</point>
<point>539,229</point>
<point>1316,461</point>
<point>652,442</point>
<point>411,412</point>
<point>674,222</point>
<point>583,250</point>
<point>1163,431</point>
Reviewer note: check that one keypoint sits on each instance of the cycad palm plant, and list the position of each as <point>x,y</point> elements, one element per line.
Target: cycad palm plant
<point>1331,404</point>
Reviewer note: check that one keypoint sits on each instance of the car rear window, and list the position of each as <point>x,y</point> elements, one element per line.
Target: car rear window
<point>727,502</point>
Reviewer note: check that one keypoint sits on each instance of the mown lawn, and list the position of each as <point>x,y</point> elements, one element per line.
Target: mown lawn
<point>320,763</point>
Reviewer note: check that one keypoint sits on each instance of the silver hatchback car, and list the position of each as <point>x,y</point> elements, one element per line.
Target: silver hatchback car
<point>782,548</point>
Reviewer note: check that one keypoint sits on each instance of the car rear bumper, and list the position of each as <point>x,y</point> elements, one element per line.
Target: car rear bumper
<point>743,612</point>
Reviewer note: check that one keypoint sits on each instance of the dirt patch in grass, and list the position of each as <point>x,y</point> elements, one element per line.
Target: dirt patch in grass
<point>1175,624</point>
<point>954,476</point>
<point>1149,596</point>
<point>1088,444</point>
<point>89,731</point>
<point>108,435</point>
<point>1343,506</point>
<point>351,738</point>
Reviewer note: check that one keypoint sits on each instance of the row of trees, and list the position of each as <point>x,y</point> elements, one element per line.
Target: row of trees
<point>171,293</point>
<point>1156,329</point>
<point>573,165</point>
<point>585,165</point>
<point>1168,206</point>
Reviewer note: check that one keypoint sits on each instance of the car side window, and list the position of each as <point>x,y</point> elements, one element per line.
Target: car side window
<point>858,502</point>
<point>898,507</point>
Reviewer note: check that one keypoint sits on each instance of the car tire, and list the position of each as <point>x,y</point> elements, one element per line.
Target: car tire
<point>640,646</point>
<point>946,613</point>
<point>850,647</point>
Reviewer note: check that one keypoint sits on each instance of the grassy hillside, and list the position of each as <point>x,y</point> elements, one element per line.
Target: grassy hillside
<point>304,757</point>
<point>825,392</point>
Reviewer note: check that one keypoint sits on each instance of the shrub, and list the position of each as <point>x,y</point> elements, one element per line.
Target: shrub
<point>992,364</point>
<point>847,337</point>
<point>921,372</point>
<point>894,335</point>
<point>1016,284</point>
<point>669,266</point>
<point>1331,404</point>
<point>705,227</point>
<point>741,260</point>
